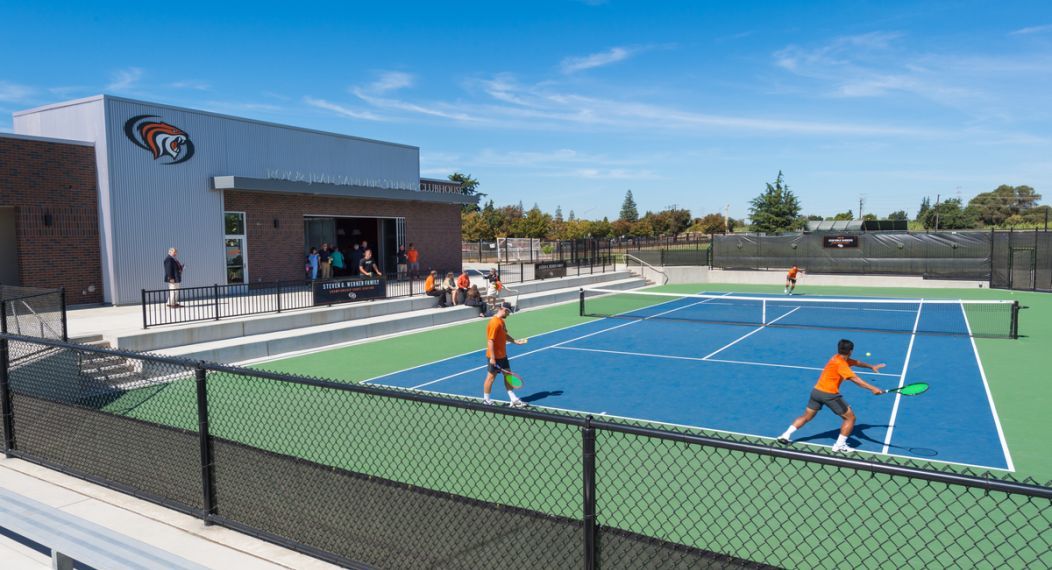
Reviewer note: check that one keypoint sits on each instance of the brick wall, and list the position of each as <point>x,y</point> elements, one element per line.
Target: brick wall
<point>276,254</point>
<point>54,190</point>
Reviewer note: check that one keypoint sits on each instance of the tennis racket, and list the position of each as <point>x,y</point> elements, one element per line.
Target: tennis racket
<point>910,389</point>
<point>513,379</point>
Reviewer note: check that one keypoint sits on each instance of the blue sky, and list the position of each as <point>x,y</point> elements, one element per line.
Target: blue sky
<point>571,103</point>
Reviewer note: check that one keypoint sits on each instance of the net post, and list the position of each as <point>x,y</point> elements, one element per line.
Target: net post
<point>581,303</point>
<point>5,384</point>
<point>1014,332</point>
<point>205,443</point>
<point>763,317</point>
<point>588,493</point>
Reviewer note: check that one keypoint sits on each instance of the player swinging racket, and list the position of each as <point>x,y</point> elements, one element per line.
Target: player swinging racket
<point>790,279</point>
<point>497,354</point>
<point>827,393</point>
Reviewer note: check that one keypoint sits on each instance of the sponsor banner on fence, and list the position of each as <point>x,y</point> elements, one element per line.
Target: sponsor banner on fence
<point>549,269</point>
<point>346,290</point>
<point>839,241</point>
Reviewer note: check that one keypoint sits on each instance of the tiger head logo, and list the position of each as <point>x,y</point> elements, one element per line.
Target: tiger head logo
<point>161,139</point>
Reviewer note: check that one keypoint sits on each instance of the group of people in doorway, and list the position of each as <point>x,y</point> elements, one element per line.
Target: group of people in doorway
<point>328,262</point>
<point>458,290</point>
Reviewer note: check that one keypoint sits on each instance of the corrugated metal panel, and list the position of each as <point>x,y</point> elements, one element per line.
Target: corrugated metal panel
<point>149,204</point>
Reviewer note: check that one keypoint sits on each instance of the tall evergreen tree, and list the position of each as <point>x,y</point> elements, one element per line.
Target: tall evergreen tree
<point>629,212</point>
<point>777,209</point>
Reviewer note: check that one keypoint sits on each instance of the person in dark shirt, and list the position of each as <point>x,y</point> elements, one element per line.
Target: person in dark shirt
<point>324,262</point>
<point>356,259</point>
<point>402,261</point>
<point>368,265</point>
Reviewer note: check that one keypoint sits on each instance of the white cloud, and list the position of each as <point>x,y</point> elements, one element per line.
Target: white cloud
<point>124,79</point>
<point>612,55</point>
<point>1032,30</point>
<point>391,81</point>
<point>15,93</point>
<point>399,105</point>
<point>342,110</point>
<point>191,84</point>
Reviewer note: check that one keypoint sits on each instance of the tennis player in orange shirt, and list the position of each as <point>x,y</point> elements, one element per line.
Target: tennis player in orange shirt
<point>497,338</point>
<point>827,393</point>
<point>790,279</point>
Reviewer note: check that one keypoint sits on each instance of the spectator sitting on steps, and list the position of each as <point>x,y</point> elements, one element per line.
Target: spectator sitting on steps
<point>449,286</point>
<point>474,299</point>
<point>463,283</point>
<point>432,291</point>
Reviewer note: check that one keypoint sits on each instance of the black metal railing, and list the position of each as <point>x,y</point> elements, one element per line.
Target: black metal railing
<point>518,272</point>
<point>216,302</point>
<point>362,475</point>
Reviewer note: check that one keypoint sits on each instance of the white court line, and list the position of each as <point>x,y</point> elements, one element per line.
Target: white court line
<point>418,386</point>
<point>902,381</point>
<point>747,335</point>
<point>989,396</point>
<point>715,430</point>
<point>697,359</point>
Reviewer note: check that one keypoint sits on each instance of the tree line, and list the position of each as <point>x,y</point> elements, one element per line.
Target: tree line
<point>776,209</point>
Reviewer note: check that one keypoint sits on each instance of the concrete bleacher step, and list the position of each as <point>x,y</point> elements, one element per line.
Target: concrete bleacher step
<point>165,337</point>
<point>272,344</point>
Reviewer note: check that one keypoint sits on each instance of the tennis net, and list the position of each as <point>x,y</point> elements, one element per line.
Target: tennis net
<point>983,318</point>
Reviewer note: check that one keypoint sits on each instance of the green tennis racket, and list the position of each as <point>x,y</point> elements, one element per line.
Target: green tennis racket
<point>513,379</point>
<point>910,389</point>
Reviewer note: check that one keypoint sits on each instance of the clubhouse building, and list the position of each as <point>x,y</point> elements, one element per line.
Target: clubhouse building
<point>93,192</point>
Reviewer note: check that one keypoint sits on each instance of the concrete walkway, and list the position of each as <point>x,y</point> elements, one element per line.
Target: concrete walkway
<point>212,546</point>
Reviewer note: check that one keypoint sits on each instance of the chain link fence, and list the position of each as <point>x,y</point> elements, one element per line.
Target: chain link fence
<point>361,475</point>
<point>31,311</point>
<point>943,255</point>
<point>1022,260</point>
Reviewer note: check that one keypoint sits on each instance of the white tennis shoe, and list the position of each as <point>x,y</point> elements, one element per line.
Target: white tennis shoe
<point>844,448</point>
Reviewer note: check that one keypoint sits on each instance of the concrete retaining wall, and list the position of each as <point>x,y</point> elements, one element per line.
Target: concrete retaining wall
<point>277,343</point>
<point>161,338</point>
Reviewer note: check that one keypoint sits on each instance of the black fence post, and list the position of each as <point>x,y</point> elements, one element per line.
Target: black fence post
<point>581,303</point>
<point>5,384</point>
<point>279,296</point>
<point>588,455</point>
<point>144,323</point>
<point>62,296</point>
<point>205,441</point>
<point>215,298</point>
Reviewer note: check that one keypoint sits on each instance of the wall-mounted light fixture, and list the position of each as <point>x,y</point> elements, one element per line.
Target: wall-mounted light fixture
<point>276,223</point>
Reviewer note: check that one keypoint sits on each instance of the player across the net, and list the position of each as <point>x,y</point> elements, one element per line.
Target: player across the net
<point>984,318</point>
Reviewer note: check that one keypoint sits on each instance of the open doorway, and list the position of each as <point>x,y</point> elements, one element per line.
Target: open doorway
<point>383,236</point>
<point>8,247</point>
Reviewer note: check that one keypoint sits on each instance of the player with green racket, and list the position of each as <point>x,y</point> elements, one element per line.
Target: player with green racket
<point>827,393</point>
<point>497,338</point>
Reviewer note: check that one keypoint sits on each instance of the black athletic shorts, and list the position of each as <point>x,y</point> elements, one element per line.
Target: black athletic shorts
<point>837,404</point>
<point>501,363</point>
<point>791,280</point>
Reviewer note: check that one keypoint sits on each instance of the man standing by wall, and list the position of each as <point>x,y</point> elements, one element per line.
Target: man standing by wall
<point>173,276</point>
<point>413,255</point>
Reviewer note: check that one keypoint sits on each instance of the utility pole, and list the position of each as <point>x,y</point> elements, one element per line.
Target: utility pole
<point>727,224</point>
<point>861,200</point>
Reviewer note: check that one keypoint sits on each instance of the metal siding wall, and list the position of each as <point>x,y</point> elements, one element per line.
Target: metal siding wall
<point>147,206</point>
<point>83,122</point>
<point>160,205</point>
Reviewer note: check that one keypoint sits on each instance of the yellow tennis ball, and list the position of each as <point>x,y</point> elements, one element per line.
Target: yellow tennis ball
<point>868,354</point>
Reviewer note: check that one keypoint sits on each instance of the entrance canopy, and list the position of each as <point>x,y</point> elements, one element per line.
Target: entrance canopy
<point>341,190</point>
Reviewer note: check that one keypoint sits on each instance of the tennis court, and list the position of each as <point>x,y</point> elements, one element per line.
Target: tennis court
<point>661,358</point>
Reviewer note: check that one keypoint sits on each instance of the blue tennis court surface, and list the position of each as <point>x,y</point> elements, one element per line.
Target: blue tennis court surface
<point>753,380</point>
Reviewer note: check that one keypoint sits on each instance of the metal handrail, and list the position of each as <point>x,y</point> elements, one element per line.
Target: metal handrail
<point>642,264</point>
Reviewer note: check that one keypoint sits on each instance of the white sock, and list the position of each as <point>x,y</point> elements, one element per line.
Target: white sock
<point>485,397</point>
<point>841,440</point>
<point>512,396</point>
<point>789,432</point>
